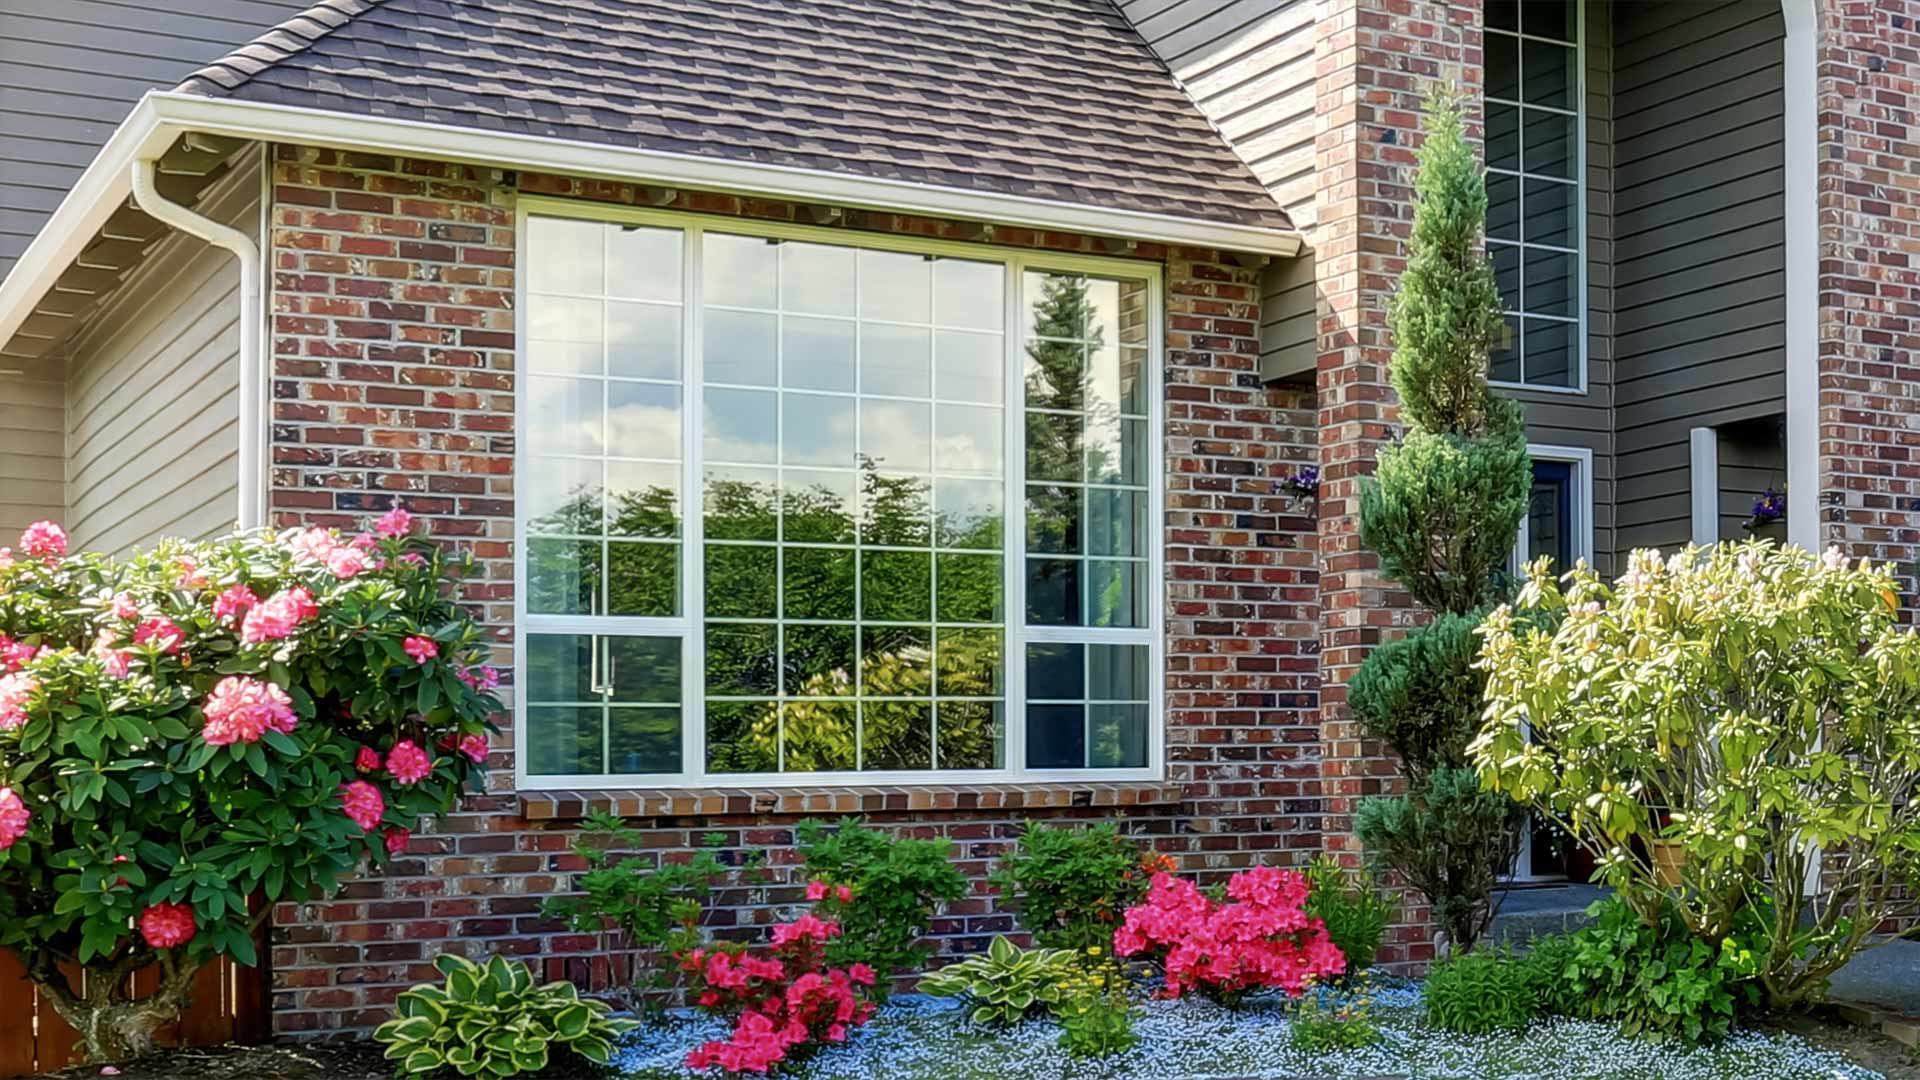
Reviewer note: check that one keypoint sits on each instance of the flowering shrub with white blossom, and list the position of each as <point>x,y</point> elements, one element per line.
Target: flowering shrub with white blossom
<point>203,725</point>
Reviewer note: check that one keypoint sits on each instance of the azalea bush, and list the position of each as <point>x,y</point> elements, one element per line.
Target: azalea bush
<point>1261,938</point>
<point>193,727</point>
<point>1746,715</point>
<point>786,1000</point>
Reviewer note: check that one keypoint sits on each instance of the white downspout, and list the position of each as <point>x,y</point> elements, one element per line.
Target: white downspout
<point>252,508</point>
<point>1802,133</point>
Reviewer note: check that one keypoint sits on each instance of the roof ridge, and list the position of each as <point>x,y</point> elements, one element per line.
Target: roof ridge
<point>294,35</point>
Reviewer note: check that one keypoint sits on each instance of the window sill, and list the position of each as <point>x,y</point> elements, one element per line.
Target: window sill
<point>701,802</point>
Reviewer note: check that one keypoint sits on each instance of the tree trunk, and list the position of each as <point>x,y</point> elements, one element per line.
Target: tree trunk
<point>112,1026</point>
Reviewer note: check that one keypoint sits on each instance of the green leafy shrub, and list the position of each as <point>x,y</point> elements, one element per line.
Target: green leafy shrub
<point>1746,712</point>
<point>897,882</point>
<point>1096,1025</point>
<point>491,1020</point>
<point>1074,885</point>
<point>1352,905</point>
<point>1006,984</point>
<point>1480,992</point>
<point>1547,961</point>
<point>1323,1024</point>
<point>1662,981</point>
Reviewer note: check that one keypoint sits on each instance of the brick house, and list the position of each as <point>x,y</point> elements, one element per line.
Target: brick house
<point>883,408</point>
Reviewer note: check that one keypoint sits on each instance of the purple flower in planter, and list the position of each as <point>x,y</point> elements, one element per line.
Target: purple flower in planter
<point>1305,482</point>
<point>1767,509</point>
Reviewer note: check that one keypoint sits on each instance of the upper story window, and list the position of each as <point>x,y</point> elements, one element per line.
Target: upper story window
<point>1535,234</point>
<point>800,506</point>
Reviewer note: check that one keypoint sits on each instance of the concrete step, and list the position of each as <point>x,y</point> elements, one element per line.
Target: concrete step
<point>1530,911</point>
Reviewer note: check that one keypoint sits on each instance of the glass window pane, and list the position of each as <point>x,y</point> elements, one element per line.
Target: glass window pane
<point>643,340</point>
<point>643,419</point>
<point>563,576</point>
<point>739,426</point>
<point>1116,522</point>
<point>1116,450</point>
<point>817,354</point>
<point>969,366</point>
<point>896,435</point>
<point>1505,358</point>
<point>896,735</point>
<point>742,504</point>
<point>1506,274</point>
<point>739,347</point>
<point>643,263</point>
<point>1548,18</point>
<point>1116,736</point>
<point>643,578</point>
<point>1503,137</point>
<point>643,740</point>
<point>742,581</point>
<point>1550,140</point>
<point>896,661</point>
<point>969,439</point>
<point>1054,519</point>
<point>559,669</point>
<point>818,583</point>
<point>820,661</point>
<point>895,286</point>
<point>1056,736</point>
<point>643,670</point>
<point>968,588</point>
<point>896,361</point>
<point>743,660</point>
<point>1549,74</point>
<point>970,294</point>
<point>1549,211</point>
<point>816,278</point>
<point>817,506</point>
<point>567,501</point>
<point>1056,375</point>
<point>896,586</point>
<point>1056,671</point>
<point>1118,673</point>
<point>968,735</point>
<point>565,256</point>
<point>739,270</point>
<point>1053,592</point>
<point>643,498</point>
<point>1503,67</point>
<point>565,416</point>
<point>968,661</point>
<point>1116,593</point>
<point>895,511</point>
<point>818,430</point>
<point>1503,14</point>
<point>1550,282</point>
<point>564,335</point>
<point>1054,445</point>
<point>1058,306</point>
<point>819,736</point>
<point>565,741</point>
<point>1135,370</point>
<point>1503,207</point>
<point>743,736</point>
<point>1549,360</point>
<point>968,513</point>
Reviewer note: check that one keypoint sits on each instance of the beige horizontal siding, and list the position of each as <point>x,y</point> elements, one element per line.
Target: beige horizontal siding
<point>32,454</point>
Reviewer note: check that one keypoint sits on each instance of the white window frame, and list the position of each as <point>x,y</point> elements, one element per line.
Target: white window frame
<point>1579,250</point>
<point>1581,458</point>
<point>687,626</point>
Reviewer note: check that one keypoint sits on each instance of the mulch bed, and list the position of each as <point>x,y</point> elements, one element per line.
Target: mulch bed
<point>287,1061</point>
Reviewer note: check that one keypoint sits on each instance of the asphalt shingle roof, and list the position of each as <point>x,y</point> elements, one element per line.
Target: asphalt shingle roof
<point>1051,99</point>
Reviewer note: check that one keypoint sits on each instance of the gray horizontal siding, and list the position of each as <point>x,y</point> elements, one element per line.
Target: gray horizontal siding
<point>70,70</point>
<point>1289,343</point>
<point>1699,278</point>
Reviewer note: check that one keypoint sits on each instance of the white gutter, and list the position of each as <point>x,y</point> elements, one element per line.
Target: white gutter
<point>252,425</point>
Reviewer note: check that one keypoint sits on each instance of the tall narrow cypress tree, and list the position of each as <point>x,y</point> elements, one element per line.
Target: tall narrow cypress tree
<point>1443,512</point>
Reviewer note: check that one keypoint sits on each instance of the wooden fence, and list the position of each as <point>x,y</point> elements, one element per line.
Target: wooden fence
<point>229,1005</point>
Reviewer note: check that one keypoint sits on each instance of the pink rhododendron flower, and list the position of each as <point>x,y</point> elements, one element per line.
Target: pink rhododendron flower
<point>43,539</point>
<point>413,558</point>
<point>363,804</point>
<point>475,747</point>
<point>422,649</point>
<point>396,839</point>
<point>394,524</point>
<point>234,601</point>
<point>242,708</point>
<point>312,545</point>
<point>483,678</point>
<point>408,763</point>
<point>15,689</point>
<point>346,561</point>
<point>15,655</point>
<point>14,817</point>
<point>167,926</point>
<point>124,607</point>
<point>160,633</point>
<point>6,557</point>
<point>190,575</point>
<point>117,662</point>
<point>367,760</point>
<point>277,615</point>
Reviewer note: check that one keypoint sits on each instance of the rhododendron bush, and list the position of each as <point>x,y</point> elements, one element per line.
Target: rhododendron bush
<point>189,728</point>
<point>1261,938</point>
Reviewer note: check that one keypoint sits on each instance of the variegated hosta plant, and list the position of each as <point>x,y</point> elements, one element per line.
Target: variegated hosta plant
<point>490,1020</point>
<point>1007,984</point>
<point>1746,713</point>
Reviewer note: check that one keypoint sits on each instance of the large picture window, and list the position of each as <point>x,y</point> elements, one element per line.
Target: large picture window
<point>799,506</point>
<point>1534,188</point>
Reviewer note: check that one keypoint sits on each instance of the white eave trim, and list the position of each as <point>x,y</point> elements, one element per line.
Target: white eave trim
<point>162,116</point>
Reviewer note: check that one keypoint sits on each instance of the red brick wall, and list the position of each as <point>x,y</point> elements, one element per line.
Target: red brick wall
<point>393,378</point>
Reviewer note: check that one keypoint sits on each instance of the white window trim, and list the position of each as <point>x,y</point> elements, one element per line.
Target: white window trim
<point>1581,458</point>
<point>686,626</point>
<point>1579,250</point>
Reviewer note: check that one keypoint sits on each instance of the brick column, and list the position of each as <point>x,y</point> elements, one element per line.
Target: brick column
<point>1374,60</point>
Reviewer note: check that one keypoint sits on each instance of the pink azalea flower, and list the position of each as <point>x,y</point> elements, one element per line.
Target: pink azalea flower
<point>407,763</point>
<point>413,558</point>
<point>15,690</point>
<point>422,649</point>
<point>278,615</point>
<point>312,545</point>
<point>6,557</point>
<point>14,817</point>
<point>484,678</point>
<point>190,575</point>
<point>346,561</point>
<point>233,602</point>
<point>816,891</point>
<point>475,747</point>
<point>396,839</point>
<point>167,926</point>
<point>117,662</point>
<point>124,607</point>
<point>394,524</point>
<point>160,633</point>
<point>242,709</point>
<point>362,804</point>
<point>15,655</point>
<point>43,539</point>
<point>860,973</point>
<point>367,760</point>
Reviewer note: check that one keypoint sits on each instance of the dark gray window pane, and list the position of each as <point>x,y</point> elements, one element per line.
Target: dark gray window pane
<point>819,430</point>
<point>643,740</point>
<point>817,278</point>
<point>818,583</point>
<point>559,668</point>
<point>1550,283</point>
<point>817,354</point>
<point>1549,18</point>
<point>1054,519</point>
<point>1117,673</point>
<point>968,588</point>
<point>1550,359</point>
<point>896,661</point>
<point>1503,137</point>
<point>564,741</point>
<point>1502,14</point>
<point>896,361</point>
<point>742,582</point>
<point>896,735</point>
<point>896,586</point>
<point>739,347</point>
<point>743,736</point>
<point>741,426</point>
<point>818,507</point>
<point>896,435</point>
<point>968,734</point>
<point>563,576</point>
<point>895,511</point>
<point>739,270</point>
<point>1117,736</point>
<point>643,578</point>
<point>1503,207</point>
<point>1116,593</point>
<point>1054,446</point>
<point>820,660</point>
<point>1505,359</point>
<point>1503,66</point>
<point>968,513</point>
<point>566,500</point>
<point>969,662</point>
<point>742,504</point>
<point>644,670</point>
<point>1550,74</point>
<point>819,736</point>
<point>1506,274</point>
<point>1056,671</point>
<point>1056,737</point>
<point>742,660</point>
<point>895,286</point>
<point>643,498</point>
<point>643,340</point>
<point>1549,210</point>
<point>1053,592</point>
<point>1550,141</point>
<point>643,263</point>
